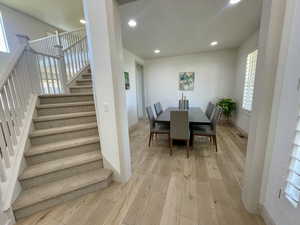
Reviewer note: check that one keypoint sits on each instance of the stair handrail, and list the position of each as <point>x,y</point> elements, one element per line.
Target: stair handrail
<point>75,59</point>
<point>64,39</point>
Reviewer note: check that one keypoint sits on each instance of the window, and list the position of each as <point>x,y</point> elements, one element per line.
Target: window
<point>249,81</point>
<point>292,190</point>
<point>3,41</point>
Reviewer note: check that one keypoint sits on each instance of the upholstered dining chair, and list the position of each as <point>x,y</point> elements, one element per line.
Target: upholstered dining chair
<point>154,127</point>
<point>209,110</point>
<point>208,130</point>
<point>158,109</point>
<point>179,128</point>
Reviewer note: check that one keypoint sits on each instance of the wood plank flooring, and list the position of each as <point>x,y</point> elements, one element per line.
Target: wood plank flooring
<point>202,190</point>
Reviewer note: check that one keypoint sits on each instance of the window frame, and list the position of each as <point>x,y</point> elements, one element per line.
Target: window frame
<point>3,32</point>
<point>250,66</point>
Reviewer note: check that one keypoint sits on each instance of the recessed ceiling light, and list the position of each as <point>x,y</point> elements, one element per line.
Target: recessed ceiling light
<point>233,2</point>
<point>82,21</point>
<point>214,43</point>
<point>132,23</point>
<point>156,51</point>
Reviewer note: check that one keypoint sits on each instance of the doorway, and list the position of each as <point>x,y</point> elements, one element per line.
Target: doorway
<point>140,91</point>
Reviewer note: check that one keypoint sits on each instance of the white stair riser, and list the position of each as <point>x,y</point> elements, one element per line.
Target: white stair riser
<point>66,99</point>
<point>52,138</point>
<point>45,157</point>
<point>67,109</point>
<point>61,174</point>
<point>81,90</point>
<point>26,211</point>
<point>64,122</point>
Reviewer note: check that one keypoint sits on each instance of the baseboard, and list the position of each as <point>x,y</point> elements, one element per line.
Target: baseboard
<point>266,216</point>
<point>244,133</point>
<point>7,217</point>
<point>133,127</point>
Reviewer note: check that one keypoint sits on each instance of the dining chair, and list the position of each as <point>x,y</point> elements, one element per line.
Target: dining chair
<point>209,110</point>
<point>179,128</point>
<point>208,130</point>
<point>154,127</point>
<point>158,109</point>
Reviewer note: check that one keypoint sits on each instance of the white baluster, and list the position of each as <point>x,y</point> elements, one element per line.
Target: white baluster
<point>6,132</point>
<point>46,73</point>
<point>15,119</point>
<point>9,117</point>
<point>62,70</point>
<point>3,176</point>
<point>19,90</point>
<point>4,146</point>
<point>57,76</point>
<point>16,98</point>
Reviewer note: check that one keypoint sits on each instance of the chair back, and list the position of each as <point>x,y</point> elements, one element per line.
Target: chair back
<point>179,125</point>
<point>150,115</point>
<point>216,117</point>
<point>209,110</point>
<point>158,109</point>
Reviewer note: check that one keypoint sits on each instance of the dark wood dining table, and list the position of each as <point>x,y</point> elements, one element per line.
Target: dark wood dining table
<point>196,116</point>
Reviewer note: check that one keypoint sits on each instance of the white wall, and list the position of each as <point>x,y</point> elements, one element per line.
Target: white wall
<point>242,117</point>
<point>107,65</point>
<point>214,77</point>
<point>282,130</point>
<point>269,45</point>
<point>130,61</point>
<point>18,23</point>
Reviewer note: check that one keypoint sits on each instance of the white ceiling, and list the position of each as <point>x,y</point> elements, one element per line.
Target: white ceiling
<point>176,27</point>
<point>64,14</point>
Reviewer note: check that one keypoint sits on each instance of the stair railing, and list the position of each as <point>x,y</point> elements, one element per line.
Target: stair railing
<point>75,58</point>
<point>47,44</point>
<point>57,71</point>
<point>17,87</point>
<point>32,73</point>
<point>61,58</point>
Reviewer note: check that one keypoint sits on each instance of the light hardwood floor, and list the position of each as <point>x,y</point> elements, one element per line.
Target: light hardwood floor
<point>202,190</point>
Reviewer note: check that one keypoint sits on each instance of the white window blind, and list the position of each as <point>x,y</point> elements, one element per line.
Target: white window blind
<point>292,190</point>
<point>249,80</point>
<point>3,40</point>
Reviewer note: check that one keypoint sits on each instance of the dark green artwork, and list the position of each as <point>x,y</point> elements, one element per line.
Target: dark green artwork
<point>127,83</point>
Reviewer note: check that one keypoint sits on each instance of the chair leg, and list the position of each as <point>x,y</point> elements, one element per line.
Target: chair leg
<point>192,142</point>
<point>171,145</point>
<point>150,138</point>
<point>215,142</point>
<point>169,139</point>
<point>187,149</point>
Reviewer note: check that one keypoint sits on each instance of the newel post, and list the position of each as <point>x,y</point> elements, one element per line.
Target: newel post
<point>62,69</point>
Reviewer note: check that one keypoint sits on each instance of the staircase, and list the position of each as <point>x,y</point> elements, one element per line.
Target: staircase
<point>63,158</point>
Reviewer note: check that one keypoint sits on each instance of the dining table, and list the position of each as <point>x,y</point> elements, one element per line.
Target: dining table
<point>196,116</point>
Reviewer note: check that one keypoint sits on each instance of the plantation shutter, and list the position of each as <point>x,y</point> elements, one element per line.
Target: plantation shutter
<point>249,81</point>
<point>3,40</point>
<point>292,190</point>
